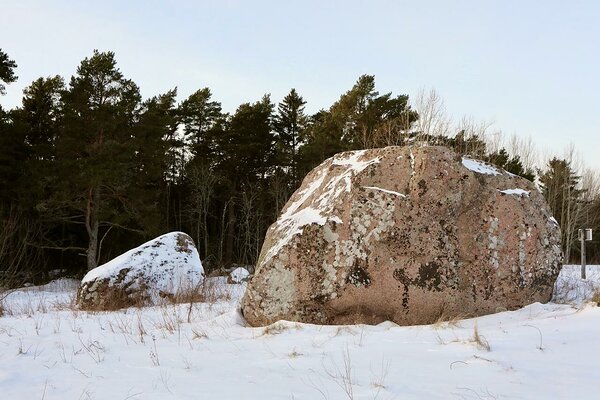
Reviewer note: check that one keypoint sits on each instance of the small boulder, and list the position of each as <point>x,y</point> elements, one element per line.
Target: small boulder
<point>238,275</point>
<point>161,268</point>
<point>406,234</point>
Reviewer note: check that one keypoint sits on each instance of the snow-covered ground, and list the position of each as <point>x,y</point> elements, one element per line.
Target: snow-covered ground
<point>49,351</point>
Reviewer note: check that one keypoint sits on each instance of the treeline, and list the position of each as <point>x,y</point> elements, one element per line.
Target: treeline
<point>89,169</point>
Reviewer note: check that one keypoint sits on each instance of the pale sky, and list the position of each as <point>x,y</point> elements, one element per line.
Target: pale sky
<point>532,67</point>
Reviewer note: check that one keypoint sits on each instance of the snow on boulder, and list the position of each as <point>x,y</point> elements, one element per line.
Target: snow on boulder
<point>162,267</point>
<point>406,234</point>
<point>516,192</point>
<point>480,167</point>
<point>238,275</point>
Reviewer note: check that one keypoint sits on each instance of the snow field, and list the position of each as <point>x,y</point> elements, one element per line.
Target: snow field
<point>49,350</point>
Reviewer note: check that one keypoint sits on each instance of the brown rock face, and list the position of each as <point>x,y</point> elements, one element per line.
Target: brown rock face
<point>407,234</point>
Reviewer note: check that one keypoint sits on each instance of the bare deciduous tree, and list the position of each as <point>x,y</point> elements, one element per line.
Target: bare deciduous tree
<point>250,219</point>
<point>433,118</point>
<point>279,188</point>
<point>19,248</point>
<point>524,148</point>
<point>203,182</point>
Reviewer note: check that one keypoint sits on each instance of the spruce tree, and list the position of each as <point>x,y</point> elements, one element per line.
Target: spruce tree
<point>561,189</point>
<point>502,159</point>
<point>289,124</point>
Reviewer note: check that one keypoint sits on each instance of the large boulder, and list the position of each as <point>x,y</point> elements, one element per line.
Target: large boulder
<point>407,234</point>
<point>164,267</point>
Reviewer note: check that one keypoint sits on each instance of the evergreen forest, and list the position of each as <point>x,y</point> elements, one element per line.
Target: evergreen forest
<point>90,169</point>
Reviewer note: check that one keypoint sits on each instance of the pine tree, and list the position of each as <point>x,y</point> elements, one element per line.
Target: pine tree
<point>21,231</point>
<point>199,115</point>
<point>12,148</point>
<point>95,152</point>
<point>7,71</point>
<point>13,155</point>
<point>322,139</point>
<point>37,125</point>
<point>156,123</point>
<point>245,145</point>
<point>42,111</point>
<point>356,121</point>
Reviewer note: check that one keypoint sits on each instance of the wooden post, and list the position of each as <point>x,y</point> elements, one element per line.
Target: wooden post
<point>583,261</point>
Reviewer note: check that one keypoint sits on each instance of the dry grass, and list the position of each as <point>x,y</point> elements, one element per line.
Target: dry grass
<point>595,298</point>
<point>448,321</point>
<point>212,291</point>
<point>29,304</point>
<point>198,333</point>
<point>294,354</point>
<point>279,327</point>
<point>274,329</point>
<point>343,376</point>
<point>378,381</point>
<point>170,320</point>
<point>573,290</point>
<point>479,340</point>
<point>115,298</point>
<point>3,306</point>
<point>208,291</point>
<point>141,329</point>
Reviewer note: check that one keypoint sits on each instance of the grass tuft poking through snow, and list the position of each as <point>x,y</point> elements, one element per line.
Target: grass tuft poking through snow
<point>595,298</point>
<point>480,340</point>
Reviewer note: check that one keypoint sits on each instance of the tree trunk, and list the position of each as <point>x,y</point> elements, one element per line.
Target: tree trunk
<point>91,225</point>
<point>205,226</point>
<point>230,235</point>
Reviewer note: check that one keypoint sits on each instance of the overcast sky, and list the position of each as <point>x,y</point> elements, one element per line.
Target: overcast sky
<point>532,67</point>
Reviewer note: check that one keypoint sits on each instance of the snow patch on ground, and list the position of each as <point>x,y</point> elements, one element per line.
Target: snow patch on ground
<point>480,167</point>
<point>542,351</point>
<point>56,286</point>
<point>571,289</point>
